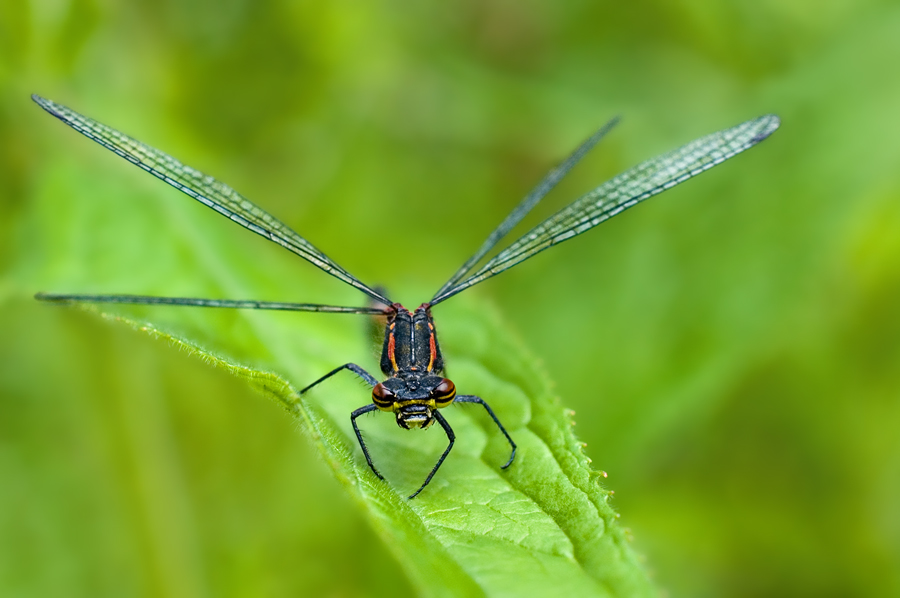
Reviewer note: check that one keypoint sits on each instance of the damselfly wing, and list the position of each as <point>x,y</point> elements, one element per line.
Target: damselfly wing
<point>414,388</point>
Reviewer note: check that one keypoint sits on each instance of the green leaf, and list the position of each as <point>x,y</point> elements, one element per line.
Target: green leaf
<point>542,527</point>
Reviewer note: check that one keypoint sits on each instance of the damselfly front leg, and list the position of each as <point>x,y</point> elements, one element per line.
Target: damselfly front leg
<point>362,443</point>
<point>452,438</point>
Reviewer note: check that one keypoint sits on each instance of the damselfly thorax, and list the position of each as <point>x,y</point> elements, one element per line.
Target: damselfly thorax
<point>411,360</point>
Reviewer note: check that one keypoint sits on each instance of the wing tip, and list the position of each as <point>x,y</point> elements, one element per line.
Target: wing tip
<point>39,100</point>
<point>48,105</point>
<point>769,123</point>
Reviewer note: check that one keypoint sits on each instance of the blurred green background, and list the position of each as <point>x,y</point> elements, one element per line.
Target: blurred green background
<point>732,349</point>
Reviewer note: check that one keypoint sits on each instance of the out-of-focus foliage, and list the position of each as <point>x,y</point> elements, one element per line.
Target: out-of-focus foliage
<point>730,348</point>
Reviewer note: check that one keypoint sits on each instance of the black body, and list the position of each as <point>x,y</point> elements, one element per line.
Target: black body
<point>415,388</point>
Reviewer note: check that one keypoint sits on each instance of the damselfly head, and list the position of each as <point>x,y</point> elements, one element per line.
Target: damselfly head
<point>413,398</point>
<point>398,390</point>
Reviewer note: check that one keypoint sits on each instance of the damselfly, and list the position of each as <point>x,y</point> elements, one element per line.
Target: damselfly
<point>414,388</point>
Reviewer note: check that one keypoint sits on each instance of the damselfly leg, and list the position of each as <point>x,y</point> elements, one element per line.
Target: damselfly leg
<point>362,443</point>
<point>452,438</point>
<point>480,401</point>
<point>369,378</point>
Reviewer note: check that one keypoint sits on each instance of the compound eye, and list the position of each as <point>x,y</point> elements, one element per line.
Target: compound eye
<point>382,397</point>
<point>444,393</point>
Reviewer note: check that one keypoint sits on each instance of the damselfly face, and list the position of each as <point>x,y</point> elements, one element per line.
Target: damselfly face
<point>413,398</point>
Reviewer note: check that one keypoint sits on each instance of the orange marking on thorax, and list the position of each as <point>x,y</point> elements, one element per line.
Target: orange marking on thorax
<point>432,345</point>
<point>391,343</point>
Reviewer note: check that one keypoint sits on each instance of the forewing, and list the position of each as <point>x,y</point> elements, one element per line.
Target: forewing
<point>622,192</point>
<point>528,203</point>
<point>205,189</point>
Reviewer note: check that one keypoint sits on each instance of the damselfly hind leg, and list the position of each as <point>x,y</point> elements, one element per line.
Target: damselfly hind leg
<point>479,400</point>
